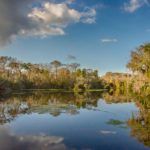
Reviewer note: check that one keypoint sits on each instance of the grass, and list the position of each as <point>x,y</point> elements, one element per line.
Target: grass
<point>115,122</point>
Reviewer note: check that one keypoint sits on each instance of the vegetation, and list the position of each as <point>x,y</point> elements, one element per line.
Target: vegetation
<point>133,86</point>
<point>46,102</point>
<point>115,122</point>
<point>140,123</point>
<point>138,80</point>
<point>17,75</point>
<point>140,60</point>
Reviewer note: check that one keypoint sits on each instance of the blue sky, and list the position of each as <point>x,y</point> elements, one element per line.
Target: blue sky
<point>101,38</point>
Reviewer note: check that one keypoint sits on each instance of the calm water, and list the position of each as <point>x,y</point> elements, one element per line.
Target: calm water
<point>67,121</point>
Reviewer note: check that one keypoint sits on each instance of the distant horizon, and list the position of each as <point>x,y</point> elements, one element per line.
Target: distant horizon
<point>101,73</point>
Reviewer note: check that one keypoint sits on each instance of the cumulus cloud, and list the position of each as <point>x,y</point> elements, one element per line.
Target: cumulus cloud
<point>39,18</point>
<point>109,40</point>
<point>133,5</point>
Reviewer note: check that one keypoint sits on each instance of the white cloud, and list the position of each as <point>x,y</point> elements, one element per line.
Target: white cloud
<point>109,40</point>
<point>56,14</point>
<point>52,18</point>
<point>133,5</point>
<point>88,16</point>
<point>46,19</point>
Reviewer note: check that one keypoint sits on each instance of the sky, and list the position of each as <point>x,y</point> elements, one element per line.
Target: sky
<point>98,34</point>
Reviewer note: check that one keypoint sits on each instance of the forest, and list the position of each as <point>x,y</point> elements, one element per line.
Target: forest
<point>16,75</point>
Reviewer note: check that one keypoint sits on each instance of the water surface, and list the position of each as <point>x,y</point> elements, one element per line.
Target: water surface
<point>69,121</point>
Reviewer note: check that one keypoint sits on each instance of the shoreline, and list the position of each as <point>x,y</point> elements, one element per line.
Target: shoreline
<point>53,91</point>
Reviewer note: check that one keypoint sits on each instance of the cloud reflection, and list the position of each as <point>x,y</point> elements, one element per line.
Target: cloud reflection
<point>10,141</point>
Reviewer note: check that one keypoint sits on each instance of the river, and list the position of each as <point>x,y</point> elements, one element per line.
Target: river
<point>85,121</point>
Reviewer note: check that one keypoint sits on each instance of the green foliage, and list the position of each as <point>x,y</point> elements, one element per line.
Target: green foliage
<point>140,60</point>
<point>115,122</point>
<point>139,80</point>
<point>54,75</point>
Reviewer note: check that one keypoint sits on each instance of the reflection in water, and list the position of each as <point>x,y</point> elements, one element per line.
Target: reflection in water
<point>140,124</point>
<point>57,104</point>
<point>116,98</point>
<point>54,104</point>
<point>140,128</point>
<point>12,142</point>
<point>107,132</point>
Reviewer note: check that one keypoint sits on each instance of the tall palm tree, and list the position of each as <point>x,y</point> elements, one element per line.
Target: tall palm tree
<point>74,66</point>
<point>56,64</point>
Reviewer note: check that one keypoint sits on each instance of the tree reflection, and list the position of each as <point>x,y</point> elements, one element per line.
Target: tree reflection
<point>43,102</point>
<point>70,103</point>
<point>139,123</point>
<point>115,97</point>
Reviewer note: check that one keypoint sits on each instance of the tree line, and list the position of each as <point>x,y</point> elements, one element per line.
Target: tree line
<point>18,75</point>
<point>137,80</point>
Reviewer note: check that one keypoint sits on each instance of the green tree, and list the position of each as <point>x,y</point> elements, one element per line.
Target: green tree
<point>140,60</point>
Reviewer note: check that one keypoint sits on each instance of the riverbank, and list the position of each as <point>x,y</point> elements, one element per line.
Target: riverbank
<point>54,91</point>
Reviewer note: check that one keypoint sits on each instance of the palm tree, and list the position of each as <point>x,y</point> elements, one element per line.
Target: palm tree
<point>56,64</point>
<point>74,66</point>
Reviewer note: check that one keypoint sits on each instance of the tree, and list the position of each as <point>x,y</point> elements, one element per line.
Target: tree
<point>56,64</point>
<point>4,60</point>
<point>140,60</point>
<point>14,65</point>
<point>74,66</point>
